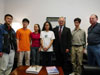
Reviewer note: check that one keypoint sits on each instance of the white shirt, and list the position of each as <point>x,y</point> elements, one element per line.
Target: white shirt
<point>47,37</point>
<point>61,28</point>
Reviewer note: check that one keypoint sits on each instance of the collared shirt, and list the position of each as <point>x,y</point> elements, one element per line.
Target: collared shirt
<point>79,37</point>
<point>61,28</point>
<point>94,34</point>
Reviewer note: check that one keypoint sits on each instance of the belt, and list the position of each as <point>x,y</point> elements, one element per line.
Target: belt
<point>77,45</point>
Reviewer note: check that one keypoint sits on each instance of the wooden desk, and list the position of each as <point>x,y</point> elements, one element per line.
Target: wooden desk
<point>22,71</point>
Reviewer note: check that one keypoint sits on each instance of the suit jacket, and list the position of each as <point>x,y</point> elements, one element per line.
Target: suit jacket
<point>63,43</point>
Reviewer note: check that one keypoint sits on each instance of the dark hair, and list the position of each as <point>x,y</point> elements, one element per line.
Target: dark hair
<point>43,29</point>
<point>96,16</point>
<point>77,19</point>
<point>38,27</point>
<point>8,15</point>
<point>25,20</point>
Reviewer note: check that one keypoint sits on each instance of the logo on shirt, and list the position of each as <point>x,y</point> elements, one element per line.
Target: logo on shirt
<point>46,36</point>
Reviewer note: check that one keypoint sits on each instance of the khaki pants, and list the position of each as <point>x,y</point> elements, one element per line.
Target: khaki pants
<point>76,58</point>
<point>21,56</point>
<point>6,63</point>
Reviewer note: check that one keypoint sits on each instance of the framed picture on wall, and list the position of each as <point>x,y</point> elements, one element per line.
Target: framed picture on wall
<point>53,21</point>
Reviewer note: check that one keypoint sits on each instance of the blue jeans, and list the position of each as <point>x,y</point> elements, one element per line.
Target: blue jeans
<point>94,55</point>
<point>35,56</point>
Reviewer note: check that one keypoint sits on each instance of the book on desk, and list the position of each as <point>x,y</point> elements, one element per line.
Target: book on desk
<point>52,70</point>
<point>34,69</point>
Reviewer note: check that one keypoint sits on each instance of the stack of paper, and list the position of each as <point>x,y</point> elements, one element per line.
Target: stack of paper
<point>52,70</point>
<point>34,69</point>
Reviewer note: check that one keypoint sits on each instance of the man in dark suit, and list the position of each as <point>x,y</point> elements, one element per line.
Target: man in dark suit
<point>62,44</point>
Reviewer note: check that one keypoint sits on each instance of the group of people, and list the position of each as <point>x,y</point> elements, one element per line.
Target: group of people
<point>43,43</point>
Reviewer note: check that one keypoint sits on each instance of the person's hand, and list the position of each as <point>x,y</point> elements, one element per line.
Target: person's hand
<point>18,50</point>
<point>1,54</point>
<point>39,49</point>
<point>67,50</point>
<point>83,50</point>
<point>45,49</point>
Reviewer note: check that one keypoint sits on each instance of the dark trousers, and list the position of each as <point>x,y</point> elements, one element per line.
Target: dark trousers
<point>94,55</point>
<point>46,58</point>
<point>62,60</point>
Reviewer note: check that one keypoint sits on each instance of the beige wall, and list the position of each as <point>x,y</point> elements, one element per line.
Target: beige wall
<point>1,11</point>
<point>38,10</point>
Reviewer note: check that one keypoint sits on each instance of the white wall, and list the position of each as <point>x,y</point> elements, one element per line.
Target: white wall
<point>38,10</point>
<point>1,11</point>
